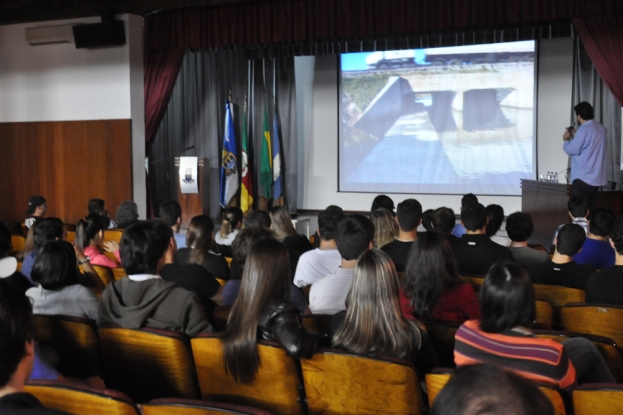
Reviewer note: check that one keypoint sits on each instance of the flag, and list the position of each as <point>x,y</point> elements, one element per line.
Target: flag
<point>246,192</point>
<point>229,167</point>
<point>276,157</point>
<point>266,161</point>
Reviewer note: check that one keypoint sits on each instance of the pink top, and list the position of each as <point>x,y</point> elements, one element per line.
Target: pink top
<point>99,259</point>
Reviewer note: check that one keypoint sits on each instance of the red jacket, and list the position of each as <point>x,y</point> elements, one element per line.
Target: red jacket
<point>457,303</point>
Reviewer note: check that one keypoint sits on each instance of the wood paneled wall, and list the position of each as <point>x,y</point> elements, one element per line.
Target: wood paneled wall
<point>68,163</point>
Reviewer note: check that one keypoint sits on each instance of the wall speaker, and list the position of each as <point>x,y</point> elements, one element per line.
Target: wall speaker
<point>99,35</point>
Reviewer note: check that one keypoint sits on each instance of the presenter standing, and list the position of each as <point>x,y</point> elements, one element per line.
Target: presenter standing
<point>587,148</point>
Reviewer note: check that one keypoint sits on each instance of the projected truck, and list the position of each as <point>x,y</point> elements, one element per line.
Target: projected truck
<point>464,55</point>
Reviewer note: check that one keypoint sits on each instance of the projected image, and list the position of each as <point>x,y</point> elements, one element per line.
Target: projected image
<point>444,120</point>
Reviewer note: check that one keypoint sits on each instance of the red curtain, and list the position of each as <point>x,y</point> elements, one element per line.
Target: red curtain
<point>602,37</point>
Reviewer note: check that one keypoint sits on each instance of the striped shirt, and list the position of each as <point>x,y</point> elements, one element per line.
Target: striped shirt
<point>537,359</point>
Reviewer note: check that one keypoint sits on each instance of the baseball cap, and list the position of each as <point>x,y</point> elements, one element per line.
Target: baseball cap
<point>33,203</point>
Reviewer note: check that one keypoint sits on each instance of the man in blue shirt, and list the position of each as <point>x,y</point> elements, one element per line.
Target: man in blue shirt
<point>587,148</point>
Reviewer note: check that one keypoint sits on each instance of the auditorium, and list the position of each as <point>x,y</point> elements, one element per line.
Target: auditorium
<point>311,207</point>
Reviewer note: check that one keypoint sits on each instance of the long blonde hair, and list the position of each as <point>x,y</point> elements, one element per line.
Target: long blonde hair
<point>281,223</point>
<point>374,325</point>
<point>385,227</point>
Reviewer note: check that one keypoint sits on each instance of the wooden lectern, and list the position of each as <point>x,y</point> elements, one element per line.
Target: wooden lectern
<point>191,203</point>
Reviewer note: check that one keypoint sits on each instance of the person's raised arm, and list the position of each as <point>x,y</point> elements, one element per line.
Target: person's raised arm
<point>88,269</point>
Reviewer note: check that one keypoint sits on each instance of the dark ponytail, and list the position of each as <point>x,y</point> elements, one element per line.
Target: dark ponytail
<point>87,228</point>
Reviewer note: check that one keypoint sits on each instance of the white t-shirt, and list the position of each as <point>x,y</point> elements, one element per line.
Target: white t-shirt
<point>328,295</point>
<point>228,240</point>
<point>500,240</point>
<point>315,264</point>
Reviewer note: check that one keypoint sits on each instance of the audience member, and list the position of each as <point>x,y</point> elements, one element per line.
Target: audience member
<point>385,227</point>
<point>325,259</point>
<point>578,212</point>
<point>50,229</point>
<point>409,217</point>
<point>199,242</point>
<point>495,217</point>
<point>90,237</point>
<point>17,355</point>
<point>475,252</point>
<point>502,335</point>
<point>372,324</point>
<point>466,200</point>
<point>354,236</point>
<point>231,225</point>
<point>263,311</point>
<point>432,286</point>
<point>127,214</point>
<point>257,218</point>
<point>242,245</point>
<point>519,227</point>
<point>606,286</point>
<point>98,207</point>
<point>143,298</point>
<point>427,220</point>
<point>443,222</point>
<point>59,292</point>
<point>29,244</point>
<point>383,201</point>
<point>37,208</point>
<point>15,279</point>
<point>561,269</point>
<point>171,213</point>
<point>596,250</point>
<point>281,224</point>
<point>490,390</point>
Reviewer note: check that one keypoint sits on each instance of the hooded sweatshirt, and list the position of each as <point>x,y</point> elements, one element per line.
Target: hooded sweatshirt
<point>152,303</point>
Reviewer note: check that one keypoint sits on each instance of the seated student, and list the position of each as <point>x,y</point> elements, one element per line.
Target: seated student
<point>596,250</point>
<point>502,336</point>
<point>383,201</point>
<point>385,228</point>
<point>50,229</point>
<point>127,214</point>
<point>578,212</point>
<point>519,227</point>
<point>18,355</point>
<point>59,291</point>
<point>263,311</point>
<point>171,213</point>
<point>37,208</point>
<point>427,220</point>
<point>490,390</point>
<point>561,269</point>
<point>257,218</point>
<point>326,259</point>
<point>242,245</point>
<point>143,298</point>
<point>466,200</point>
<point>443,222</point>
<point>353,237</point>
<point>372,324</point>
<point>409,217</point>
<point>606,286</point>
<point>199,242</point>
<point>432,287</point>
<point>281,224</point>
<point>231,225</point>
<point>495,217</point>
<point>90,237</point>
<point>98,207</point>
<point>29,244</point>
<point>475,252</point>
<point>16,280</point>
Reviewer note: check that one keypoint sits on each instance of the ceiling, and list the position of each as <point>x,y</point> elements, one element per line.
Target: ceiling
<point>22,11</point>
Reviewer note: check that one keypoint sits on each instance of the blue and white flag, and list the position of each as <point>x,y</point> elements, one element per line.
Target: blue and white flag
<point>229,159</point>
<point>276,158</point>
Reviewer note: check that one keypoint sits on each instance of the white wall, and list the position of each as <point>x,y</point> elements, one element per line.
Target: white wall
<point>61,83</point>
<point>318,132</point>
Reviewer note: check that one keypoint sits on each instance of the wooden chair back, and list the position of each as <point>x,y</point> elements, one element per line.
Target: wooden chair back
<point>229,259</point>
<point>79,398</point>
<point>275,388</point>
<point>118,273</point>
<point>558,296</point>
<point>475,282</point>
<point>193,407</point>
<point>554,397</point>
<point>441,336</point>
<point>104,273</point>
<point>71,236</point>
<point>318,323</point>
<point>435,381</point>
<point>148,363</point>
<point>113,235</point>
<point>544,316</point>
<point>341,383</point>
<point>18,242</point>
<point>69,227</point>
<point>598,399</point>
<point>601,320</point>
<point>74,339</point>
<point>606,346</point>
